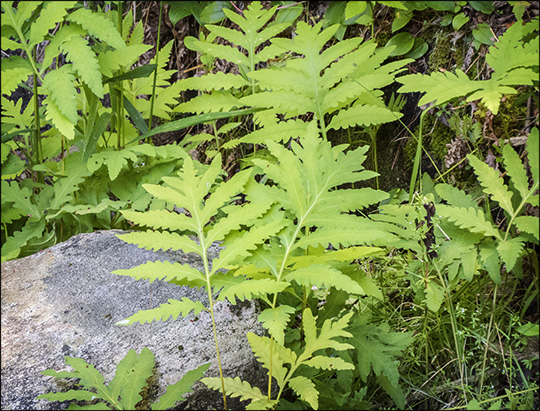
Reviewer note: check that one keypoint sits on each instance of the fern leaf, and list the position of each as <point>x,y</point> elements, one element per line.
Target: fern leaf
<point>162,313</point>
<point>324,276</point>
<point>220,51</point>
<point>263,346</point>
<point>168,194</point>
<point>509,251</point>
<point>161,219</point>
<point>528,224</point>
<point>491,91</point>
<point>214,102</point>
<point>328,363</point>
<point>155,240</point>
<point>275,320</point>
<point>164,270</point>
<point>533,151</point>
<point>515,170</point>
<point>61,122</point>
<point>12,247</point>
<point>12,192</point>
<point>98,26</point>
<point>510,51</point>
<point>456,197</point>
<point>470,218</point>
<point>175,392</point>
<point>84,62</point>
<point>249,289</point>
<point>211,81</point>
<point>329,330</point>
<point>439,87</point>
<point>50,16</point>
<point>112,60</point>
<point>114,160</point>
<point>305,389</point>
<point>282,131</point>
<point>223,194</point>
<point>60,85</point>
<point>130,377</point>
<point>363,115</point>
<point>90,377</point>
<point>11,78</point>
<point>241,247</point>
<point>490,260</point>
<point>492,183</point>
<point>78,395</point>
<point>346,254</point>
<point>64,188</point>
<point>235,388</point>
<point>376,348</point>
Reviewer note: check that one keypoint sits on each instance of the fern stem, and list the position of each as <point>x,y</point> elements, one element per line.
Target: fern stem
<point>153,98</point>
<point>211,304</point>
<point>37,155</point>
<point>120,107</point>
<point>488,338</point>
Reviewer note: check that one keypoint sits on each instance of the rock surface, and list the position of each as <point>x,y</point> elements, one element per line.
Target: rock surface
<point>65,301</point>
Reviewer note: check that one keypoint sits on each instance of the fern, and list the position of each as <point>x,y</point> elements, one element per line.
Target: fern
<point>316,84</point>
<point>84,62</point>
<point>513,63</point>
<point>196,189</point>
<point>98,26</point>
<point>124,391</point>
<point>510,197</point>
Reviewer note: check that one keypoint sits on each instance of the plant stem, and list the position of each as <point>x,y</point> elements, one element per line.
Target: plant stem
<point>153,98</point>
<point>488,337</point>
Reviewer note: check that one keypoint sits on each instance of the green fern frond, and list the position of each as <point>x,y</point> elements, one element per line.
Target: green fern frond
<point>321,275</point>
<point>211,81</point>
<point>55,116</point>
<point>328,363</point>
<point>239,247</point>
<point>60,86</point>
<point>176,391</point>
<point>155,240</point>
<point>249,289</point>
<point>112,60</point>
<point>162,313</point>
<point>162,219</point>
<point>98,26</point>
<point>214,102</point>
<point>492,183</point>
<point>510,51</point>
<point>533,155</point>
<point>163,270</point>
<point>362,115</point>
<point>510,250</point>
<point>235,387</point>
<point>51,14</point>
<point>275,320</point>
<point>85,63</point>
<point>469,218</point>
<point>272,355</point>
<point>306,390</point>
<point>279,132</point>
<point>512,59</point>
<point>528,224</point>
<point>456,197</point>
<point>329,330</point>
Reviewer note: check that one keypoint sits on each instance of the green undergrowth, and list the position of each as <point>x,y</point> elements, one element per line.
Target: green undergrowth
<point>370,298</point>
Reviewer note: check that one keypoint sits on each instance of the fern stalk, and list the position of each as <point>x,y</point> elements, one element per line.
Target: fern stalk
<point>37,155</point>
<point>153,98</point>
<point>120,107</point>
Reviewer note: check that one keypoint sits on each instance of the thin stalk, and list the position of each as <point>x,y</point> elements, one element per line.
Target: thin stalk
<point>37,154</point>
<point>494,301</point>
<point>153,98</point>
<point>120,107</point>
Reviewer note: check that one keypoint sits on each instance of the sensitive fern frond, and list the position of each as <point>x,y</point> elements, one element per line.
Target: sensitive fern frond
<point>513,60</point>
<point>173,308</point>
<point>316,84</point>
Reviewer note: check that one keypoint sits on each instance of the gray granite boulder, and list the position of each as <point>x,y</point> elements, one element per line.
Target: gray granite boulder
<point>65,301</point>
